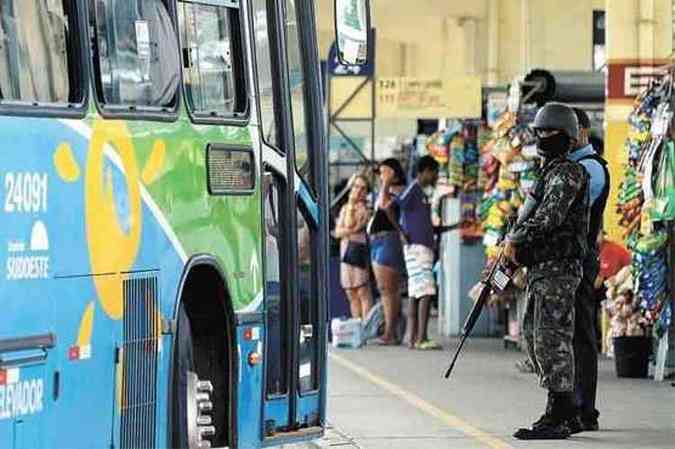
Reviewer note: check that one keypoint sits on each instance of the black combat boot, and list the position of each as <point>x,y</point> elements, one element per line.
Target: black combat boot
<point>573,421</point>
<point>589,420</point>
<point>567,403</point>
<point>547,413</point>
<point>589,424</point>
<point>575,425</point>
<point>553,424</point>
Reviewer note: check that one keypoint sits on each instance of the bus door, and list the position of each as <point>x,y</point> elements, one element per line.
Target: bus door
<point>290,124</point>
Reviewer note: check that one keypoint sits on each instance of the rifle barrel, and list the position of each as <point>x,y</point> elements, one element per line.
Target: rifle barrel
<point>471,320</point>
<point>454,359</point>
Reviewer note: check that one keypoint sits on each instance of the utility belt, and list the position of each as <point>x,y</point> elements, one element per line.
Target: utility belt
<point>569,247</point>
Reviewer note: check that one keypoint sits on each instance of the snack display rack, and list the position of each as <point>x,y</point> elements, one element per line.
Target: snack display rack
<point>646,205</point>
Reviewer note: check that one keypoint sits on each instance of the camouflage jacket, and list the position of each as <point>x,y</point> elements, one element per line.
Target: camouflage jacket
<point>555,231</point>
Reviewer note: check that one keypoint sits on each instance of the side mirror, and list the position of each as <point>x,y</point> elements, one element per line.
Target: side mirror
<point>352,26</point>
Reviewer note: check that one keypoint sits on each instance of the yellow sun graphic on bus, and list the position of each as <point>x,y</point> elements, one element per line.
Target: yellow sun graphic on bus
<point>155,164</point>
<point>113,203</point>
<point>113,210</point>
<point>65,163</point>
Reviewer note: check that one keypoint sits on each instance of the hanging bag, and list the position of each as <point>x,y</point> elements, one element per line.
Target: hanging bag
<point>357,254</point>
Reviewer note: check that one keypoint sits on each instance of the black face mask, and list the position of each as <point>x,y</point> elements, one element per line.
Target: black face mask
<point>553,146</point>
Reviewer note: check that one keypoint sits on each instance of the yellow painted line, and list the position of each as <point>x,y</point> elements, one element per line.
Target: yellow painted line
<point>419,403</point>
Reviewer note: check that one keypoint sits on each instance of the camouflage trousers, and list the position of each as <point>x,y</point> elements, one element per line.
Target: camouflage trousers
<point>548,330</point>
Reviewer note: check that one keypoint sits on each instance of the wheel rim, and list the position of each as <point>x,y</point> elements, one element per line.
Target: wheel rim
<point>199,405</point>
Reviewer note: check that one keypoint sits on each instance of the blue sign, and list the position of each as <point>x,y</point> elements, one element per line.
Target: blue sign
<point>335,68</point>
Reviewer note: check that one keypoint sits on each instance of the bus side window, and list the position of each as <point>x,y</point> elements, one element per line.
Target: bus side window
<point>136,55</point>
<point>212,59</point>
<point>39,53</point>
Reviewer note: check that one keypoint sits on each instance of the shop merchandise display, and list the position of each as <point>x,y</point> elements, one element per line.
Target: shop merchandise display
<point>508,170</point>
<point>486,168</point>
<point>464,158</point>
<point>456,150</point>
<point>437,146</point>
<point>647,208</point>
<point>509,164</point>
<point>626,319</point>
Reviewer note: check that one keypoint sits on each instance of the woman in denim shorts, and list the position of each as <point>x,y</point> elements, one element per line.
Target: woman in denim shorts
<point>386,249</point>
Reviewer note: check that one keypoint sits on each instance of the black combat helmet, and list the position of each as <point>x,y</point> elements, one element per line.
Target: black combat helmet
<point>558,116</point>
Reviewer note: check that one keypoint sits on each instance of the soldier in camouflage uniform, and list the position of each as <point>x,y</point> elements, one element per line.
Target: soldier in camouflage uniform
<point>550,239</point>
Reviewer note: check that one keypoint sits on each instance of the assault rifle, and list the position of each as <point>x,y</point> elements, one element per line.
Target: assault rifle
<point>497,280</point>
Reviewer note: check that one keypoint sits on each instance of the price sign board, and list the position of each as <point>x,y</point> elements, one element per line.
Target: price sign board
<point>429,98</point>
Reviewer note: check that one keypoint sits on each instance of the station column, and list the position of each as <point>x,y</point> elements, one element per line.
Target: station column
<point>639,41</point>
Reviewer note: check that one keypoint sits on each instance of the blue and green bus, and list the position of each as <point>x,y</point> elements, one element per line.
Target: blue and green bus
<point>163,232</point>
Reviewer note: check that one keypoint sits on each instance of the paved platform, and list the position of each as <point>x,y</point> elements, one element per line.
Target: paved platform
<point>394,398</point>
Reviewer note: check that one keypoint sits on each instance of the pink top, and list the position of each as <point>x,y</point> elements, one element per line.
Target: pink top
<point>352,221</point>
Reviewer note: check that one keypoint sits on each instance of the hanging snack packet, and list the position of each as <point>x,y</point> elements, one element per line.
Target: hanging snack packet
<point>663,205</point>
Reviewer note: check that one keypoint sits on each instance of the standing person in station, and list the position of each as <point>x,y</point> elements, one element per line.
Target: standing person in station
<point>419,252</point>
<point>586,306</point>
<point>550,238</point>
<point>386,250</point>
<point>354,256</point>
<point>613,258</point>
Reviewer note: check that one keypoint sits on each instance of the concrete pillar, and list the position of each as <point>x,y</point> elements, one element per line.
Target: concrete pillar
<point>459,37</point>
<point>402,59</point>
<point>410,59</point>
<point>461,265</point>
<point>525,40</point>
<point>470,29</point>
<point>639,38</point>
<point>493,43</point>
<point>646,29</point>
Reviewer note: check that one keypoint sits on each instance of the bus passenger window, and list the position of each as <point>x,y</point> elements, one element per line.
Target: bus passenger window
<point>136,53</point>
<point>211,59</point>
<point>39,52</point>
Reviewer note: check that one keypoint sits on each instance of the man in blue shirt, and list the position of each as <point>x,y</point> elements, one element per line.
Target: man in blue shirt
<point>585,339</point>
<point>418,231</point>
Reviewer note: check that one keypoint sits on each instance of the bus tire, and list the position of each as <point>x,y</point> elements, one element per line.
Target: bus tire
<point>192,404</point>
<point>183,363</point>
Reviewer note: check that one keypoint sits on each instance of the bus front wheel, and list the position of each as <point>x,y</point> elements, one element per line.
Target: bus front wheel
<point>192,424</point>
